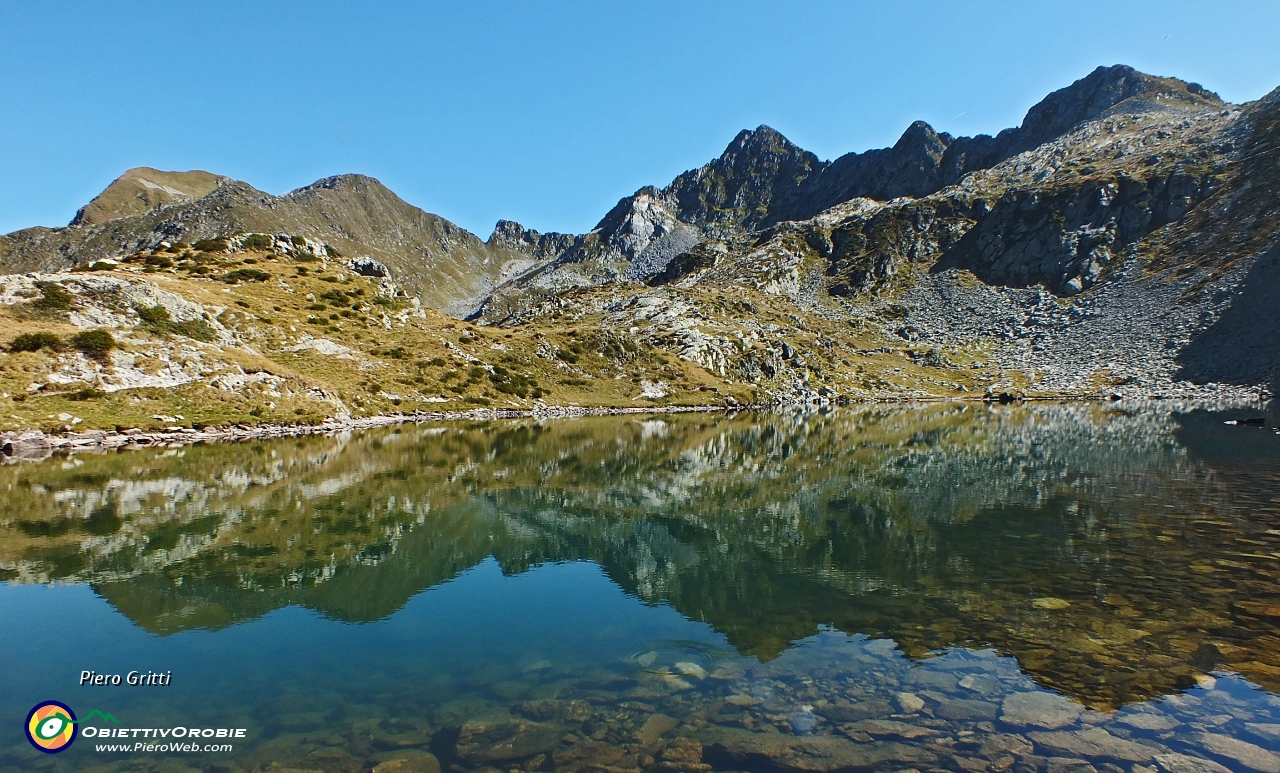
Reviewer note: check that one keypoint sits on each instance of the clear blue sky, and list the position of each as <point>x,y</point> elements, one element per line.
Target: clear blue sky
<point>546,113</point>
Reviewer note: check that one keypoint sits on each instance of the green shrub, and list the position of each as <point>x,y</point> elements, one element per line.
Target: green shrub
<point>513,383</point>
<point>154,315</point>
<point>332,251</point>
<point>158,320</point>
<point>94,343</point>
<point>85,394</point>
<point>34,342</point>
<point>245,275</point>
<point>159,261</point>
<point>53,298</point>
<point>210,245</point>
<point>195,329</point>
<point>256,242</point>
<point>299,241</point>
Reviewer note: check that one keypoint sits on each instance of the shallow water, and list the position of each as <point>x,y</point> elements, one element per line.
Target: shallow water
<point>957,587</point>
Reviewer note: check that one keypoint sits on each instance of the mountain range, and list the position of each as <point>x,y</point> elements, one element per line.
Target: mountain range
<point>1122,239</point>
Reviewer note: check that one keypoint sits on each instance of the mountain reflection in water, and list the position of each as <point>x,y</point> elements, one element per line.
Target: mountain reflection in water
<point>1116,555</point>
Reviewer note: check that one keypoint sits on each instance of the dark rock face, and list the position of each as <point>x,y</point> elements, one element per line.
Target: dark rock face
<point>792,184</point>
<point>912,167</point>
<point>1099,93</point>
<point>369,267</point>
<point>1066,240</point>
<point>539,246</point>
<point>763,179</point>
<point>760,173</point>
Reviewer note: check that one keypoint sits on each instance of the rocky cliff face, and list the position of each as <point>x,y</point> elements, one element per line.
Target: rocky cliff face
<point>763,179</point>
<point>1093,247</point>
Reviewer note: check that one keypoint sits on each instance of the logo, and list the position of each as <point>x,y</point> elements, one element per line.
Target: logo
<point>51,726</point>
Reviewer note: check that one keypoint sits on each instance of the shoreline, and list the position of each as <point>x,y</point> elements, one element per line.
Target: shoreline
<point>35,445</point>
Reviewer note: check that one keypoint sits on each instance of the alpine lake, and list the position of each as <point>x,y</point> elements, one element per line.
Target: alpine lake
<point>956,586</point>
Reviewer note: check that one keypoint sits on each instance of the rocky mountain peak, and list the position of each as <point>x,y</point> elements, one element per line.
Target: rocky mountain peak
<point>345,182</point>
<point>510,235</point>
<point>511,232</point>
<point>759,141</point>
<point>1103,91</point>
<point>758,172</point>
<point>143,189</point>
<point>921,137</point>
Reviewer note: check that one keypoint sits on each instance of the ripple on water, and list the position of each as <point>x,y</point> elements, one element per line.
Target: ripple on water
<point>678,659</point>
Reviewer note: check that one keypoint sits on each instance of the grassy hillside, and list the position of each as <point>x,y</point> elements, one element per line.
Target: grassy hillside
<point>207,337</point>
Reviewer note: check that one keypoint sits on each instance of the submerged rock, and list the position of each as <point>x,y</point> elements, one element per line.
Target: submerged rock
<point>745,750</point>
<point>1183,763</point>
<point>1094,742</point>
<point>889,727</point>
<point>412,762</point>
<point>964,710</point>
<point>856,712</point>
<point>1148,720</point>
<point>1243,752</point>
<point>482,742</point>
<point>1039,709</point>
<point>587,754</point>
<point>651,731</point>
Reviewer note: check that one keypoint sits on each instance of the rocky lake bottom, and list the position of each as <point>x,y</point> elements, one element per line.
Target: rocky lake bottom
<point>961,587</point>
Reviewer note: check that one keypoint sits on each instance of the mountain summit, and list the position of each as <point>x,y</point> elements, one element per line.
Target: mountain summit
<point>1121,241</point>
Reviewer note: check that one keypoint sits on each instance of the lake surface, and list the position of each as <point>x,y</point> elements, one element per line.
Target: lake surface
<point>958,587</point>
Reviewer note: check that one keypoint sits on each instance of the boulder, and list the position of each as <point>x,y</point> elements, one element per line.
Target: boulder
<point>484,742</point>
